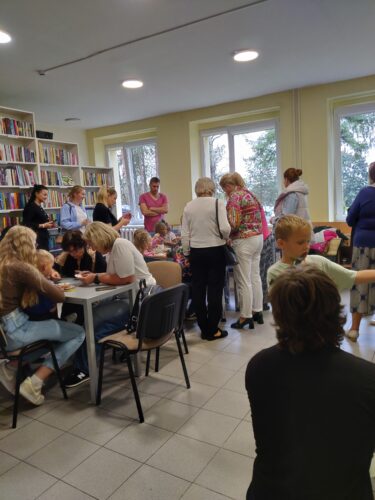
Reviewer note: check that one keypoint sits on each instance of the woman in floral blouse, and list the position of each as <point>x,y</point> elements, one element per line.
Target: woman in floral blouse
<point>245,219</point>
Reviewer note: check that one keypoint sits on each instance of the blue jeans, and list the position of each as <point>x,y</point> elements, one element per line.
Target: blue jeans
<point>20,331</point>
<point>109,317</point>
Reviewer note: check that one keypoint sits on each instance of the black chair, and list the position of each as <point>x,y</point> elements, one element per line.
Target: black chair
<point>160,317</point>
<point>19,357</point>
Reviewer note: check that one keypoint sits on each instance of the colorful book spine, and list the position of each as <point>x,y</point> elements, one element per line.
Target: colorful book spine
<point>15,175</point>
<point>52,155</point>
<point>12,201</point>
<point>55,199</point>
<point>97,179</point>
<point>91,198</point>
<point>12,153</point>
<point>10,126</point>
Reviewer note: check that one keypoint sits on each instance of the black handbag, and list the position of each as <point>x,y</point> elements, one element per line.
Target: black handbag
<point>229,253</point>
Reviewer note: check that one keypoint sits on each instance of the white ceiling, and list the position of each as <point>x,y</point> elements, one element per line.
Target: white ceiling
<point>301,42</point>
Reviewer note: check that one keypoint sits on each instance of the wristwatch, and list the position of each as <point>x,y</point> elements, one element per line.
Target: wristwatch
<point>96,279</point>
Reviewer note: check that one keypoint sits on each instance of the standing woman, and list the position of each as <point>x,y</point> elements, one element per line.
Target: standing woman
<point>102,212</point>
<point>200,238</point>
<point>73,215</point>
<point>361,217</point>
<point>36,218</point>
<point>245,219</point>
<point>293,199</point>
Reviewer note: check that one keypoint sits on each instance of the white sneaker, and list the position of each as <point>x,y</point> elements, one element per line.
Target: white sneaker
<point>372,320</point>
<point>31,393</point>
<point>352,335</point>
<point>8,377</point>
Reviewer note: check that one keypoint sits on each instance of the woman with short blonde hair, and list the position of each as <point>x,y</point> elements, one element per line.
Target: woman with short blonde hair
<point>107,197</point>
<point>72,214</point>
<point>203,220</point>
<point>20,284</point>
<point>125,265</point>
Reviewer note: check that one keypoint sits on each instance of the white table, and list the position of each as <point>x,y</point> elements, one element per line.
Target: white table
<point>87,296</point>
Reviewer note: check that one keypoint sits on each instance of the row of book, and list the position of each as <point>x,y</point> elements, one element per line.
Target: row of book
<point>97,179</point>
<point>11,152</point>
<point>55,178</point>
<point>53,155</point>
<point>21,128</point>
<point>55,199</point>
<point>16,176</point>
<point>12,201</point>
<point>91,198</point>
<point>9,220</point>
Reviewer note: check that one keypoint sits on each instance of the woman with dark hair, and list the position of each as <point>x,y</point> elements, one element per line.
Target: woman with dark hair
<point>361,217</point>
<point>293,199</point>
<point>304,392</point>
<point>36,218</point>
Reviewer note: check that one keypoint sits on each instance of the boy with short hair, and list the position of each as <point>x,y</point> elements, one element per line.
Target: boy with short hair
<point>293,235</point>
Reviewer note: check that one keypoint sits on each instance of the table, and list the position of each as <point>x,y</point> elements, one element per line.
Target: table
<point>87,296</point>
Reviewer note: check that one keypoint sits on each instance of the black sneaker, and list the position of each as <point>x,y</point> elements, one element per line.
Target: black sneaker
<point>75,379</point>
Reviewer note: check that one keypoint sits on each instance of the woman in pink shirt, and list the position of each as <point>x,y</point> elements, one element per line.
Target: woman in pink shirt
<point>153,205</point>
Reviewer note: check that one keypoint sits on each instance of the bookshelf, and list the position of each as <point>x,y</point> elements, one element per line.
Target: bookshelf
<point>26,160</point>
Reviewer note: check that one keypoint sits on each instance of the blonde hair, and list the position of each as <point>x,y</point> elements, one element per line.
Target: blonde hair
<point>102,196</point>
<point>74,190</point>
<point>289,224</point>
<point>235,179</point>
<point>18,245</point>
<point>42,256</point>
<point>141,240</point>
<point>204,187</point>
<point>101,235</point>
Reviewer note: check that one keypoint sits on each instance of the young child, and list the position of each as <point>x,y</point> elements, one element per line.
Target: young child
<point>293,236</point>
<point>163,235</point>
<point>45,308</point>
<point>142,242</point>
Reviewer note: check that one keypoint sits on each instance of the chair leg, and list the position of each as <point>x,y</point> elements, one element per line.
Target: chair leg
<point>148,363</point>
<point>182,333</point>
<point>100,377</point>
<point>17,392</point>
<point>57,371</point>
<point>182,360</point>
<point>135,389</point>
<point>157,356</point>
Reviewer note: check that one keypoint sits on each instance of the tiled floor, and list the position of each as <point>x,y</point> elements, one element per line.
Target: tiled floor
<point>195,444</point>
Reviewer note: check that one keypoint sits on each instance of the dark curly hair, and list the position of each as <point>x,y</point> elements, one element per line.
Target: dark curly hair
<point>307,310</point>
<point>72,239</point>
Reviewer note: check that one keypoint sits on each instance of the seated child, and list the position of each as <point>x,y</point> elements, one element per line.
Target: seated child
<point>142,242</point>
<point>45,308</point>
<point>293,236</point>
<point>163,235</point>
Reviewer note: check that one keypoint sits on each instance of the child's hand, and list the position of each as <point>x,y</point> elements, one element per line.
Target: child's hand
<point>55,276</point>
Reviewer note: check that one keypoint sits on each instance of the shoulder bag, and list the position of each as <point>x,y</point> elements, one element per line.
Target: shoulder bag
<point>229,253</point>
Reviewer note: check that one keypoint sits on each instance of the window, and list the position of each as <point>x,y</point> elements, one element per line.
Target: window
<point>250,150</point>
<point>136,162</point>
<point>354,128</point>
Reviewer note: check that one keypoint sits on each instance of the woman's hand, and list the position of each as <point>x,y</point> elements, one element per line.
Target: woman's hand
<point>87,278</point>
<point>85,222</point>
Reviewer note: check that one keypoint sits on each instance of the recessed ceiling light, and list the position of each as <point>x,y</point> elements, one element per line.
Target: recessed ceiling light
<point>4,37</point>
<point>132,84</point>
<point>72,119</point>
<point>245,55</point>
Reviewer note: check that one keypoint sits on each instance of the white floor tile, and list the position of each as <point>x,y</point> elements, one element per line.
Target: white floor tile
<point>242,440</point>
<point>169,415</point>
<point>63,491</point>
<point>212,375</point>
<point>196,492</point>
<point>234,404</point>
<point>197,395</point>
<point>24,482</point>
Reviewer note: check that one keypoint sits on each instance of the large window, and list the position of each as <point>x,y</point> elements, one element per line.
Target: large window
<point>250,150</point>
<point>136,162</point>
<point>354,150</point>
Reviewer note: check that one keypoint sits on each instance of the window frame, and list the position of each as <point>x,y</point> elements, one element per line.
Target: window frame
<point>338,113</point>
<point>231,131</point>
<point>129,168</point>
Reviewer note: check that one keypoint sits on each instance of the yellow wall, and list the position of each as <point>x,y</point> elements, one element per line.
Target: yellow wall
<point>304,117</point>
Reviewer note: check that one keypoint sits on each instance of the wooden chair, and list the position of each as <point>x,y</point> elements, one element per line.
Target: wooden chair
<point>160,318</point>
<point>167,274</point>
<point>19,357</point>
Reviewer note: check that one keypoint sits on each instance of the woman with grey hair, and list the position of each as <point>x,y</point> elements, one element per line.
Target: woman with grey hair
<point>202,242</point>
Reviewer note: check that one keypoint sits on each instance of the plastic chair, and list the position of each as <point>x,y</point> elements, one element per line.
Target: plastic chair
<point>160,318</point>
<point>167,274</point>
<point>19,357</point>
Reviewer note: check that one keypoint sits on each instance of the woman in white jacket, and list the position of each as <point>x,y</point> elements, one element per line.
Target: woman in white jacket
<point>293,199</point>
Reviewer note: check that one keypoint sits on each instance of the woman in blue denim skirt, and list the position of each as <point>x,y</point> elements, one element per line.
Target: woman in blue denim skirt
<point>20,284</point>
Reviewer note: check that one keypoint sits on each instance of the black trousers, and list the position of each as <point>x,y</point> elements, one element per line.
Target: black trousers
<point>208,274</point>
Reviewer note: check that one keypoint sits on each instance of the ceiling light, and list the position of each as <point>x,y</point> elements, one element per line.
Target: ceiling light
<point>245,55</point>
<point>132,84</point>
<point>4,37</point>
<point>72,119</point>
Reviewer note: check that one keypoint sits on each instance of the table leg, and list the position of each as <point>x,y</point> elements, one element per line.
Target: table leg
<point>90,344</point>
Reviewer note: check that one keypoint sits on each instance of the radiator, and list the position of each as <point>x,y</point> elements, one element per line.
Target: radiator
<point>127,232</point>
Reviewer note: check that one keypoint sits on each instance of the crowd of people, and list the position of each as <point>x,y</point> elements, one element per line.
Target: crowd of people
<point>302,391</point>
